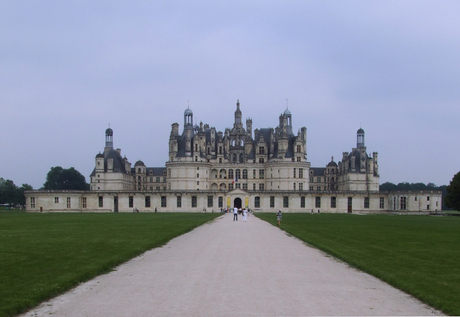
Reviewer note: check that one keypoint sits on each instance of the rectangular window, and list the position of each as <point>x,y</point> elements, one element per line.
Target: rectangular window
<point>257,202</point>
<point>245,174</point>
<point>272,201</point>
<point>147,201</point>
<point>293,186</point>
<point>131,201</point>
<point>300,172</point>
<point>318,188</point>
<point>428,207</point>
<point>56,200</point>
<point>254,186</point>
<point>427,198</point>
<point>101,201</point>
<point>221,202</point>
<point>238,185</point>
<point>261,150</point>
<point>318,179</point>
<point>302,202</point>
<point>298,149</point>
<point>32,202</point>
<point>318,202</point>
<point>151,179</point>
<point>179,201</point>
<point>194,202</point>
<point>261,160</point>
<point>261,174</point>
<point>83,202</point>
<point>157,187</point>
<point>230,186</point>
<point>285,202</point>
<point>403,203</point>
<point>366,202</point>
<point>261,186</point>
<point>69,202</point>
<point>311,179</point>
<point>300,186</point>
<point>163,201</point>
<point>210,201</point>
<point>294,172</point>
<point>254,174</point>
<point>245,186</point>
<point>157,179</point>
<point>382,202</point>
<point>333,202</point>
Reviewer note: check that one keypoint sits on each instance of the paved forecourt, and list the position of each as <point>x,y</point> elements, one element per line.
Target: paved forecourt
<point>227,268</point>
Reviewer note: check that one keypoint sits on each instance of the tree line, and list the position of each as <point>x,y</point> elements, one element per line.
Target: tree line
<point>58,178</point>
<point>11,194</point>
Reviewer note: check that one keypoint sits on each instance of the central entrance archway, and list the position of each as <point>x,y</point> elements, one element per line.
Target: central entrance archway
<point>237,203</point>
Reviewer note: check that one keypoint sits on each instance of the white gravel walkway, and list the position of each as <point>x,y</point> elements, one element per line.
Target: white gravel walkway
<point>227,268</point>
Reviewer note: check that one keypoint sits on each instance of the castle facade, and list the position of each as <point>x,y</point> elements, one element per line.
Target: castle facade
<point>264,169</point>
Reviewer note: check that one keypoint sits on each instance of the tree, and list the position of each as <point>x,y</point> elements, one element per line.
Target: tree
<point>59,178</point>
<point>8,192</point>
<point>386,187</point>
<point>21,190</point>
<point>11,194</point>
<point>452,198</point>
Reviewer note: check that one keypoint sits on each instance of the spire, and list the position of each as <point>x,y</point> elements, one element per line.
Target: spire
<point>238,115</point>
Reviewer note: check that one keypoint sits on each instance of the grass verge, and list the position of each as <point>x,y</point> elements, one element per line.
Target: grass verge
<point>417,254</point>
<point>43,255</point>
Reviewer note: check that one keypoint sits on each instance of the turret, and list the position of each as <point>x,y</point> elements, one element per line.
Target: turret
<point>249,128</point>
<point>108,140</point>
<point>360,138</point>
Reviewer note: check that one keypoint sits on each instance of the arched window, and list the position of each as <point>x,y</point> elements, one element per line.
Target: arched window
<point>234,158</point>
<point>241,158</point>
<point>238,173</point>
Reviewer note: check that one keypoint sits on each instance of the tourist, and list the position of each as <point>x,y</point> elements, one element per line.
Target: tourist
<point>235,214</point>
<point>245,214</point>
<point>278,217</point>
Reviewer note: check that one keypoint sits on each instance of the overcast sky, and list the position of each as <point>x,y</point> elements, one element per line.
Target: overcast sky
<point>68,69</point>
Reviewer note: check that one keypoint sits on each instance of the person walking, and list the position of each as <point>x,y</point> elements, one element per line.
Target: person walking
<point>245,214</point>
<point>235,214</point>
<point>278,217</point>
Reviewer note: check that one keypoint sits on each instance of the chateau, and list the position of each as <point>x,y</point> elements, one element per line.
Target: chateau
<point>208,170</point>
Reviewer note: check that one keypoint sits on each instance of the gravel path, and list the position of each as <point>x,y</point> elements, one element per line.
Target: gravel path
<point>227,268</point>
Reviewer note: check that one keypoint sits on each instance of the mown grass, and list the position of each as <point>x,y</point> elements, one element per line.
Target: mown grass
<point>42,255</point>
<point>417,254</point>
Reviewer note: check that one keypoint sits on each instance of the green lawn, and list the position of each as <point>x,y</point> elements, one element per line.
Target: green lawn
<point>417,254</point>
<point>42,255</point>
